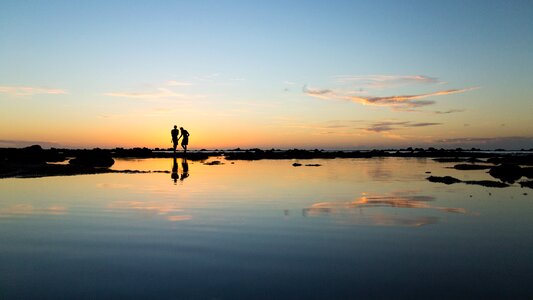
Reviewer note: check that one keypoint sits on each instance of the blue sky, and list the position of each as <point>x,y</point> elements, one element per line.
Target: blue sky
<point>246,67</point>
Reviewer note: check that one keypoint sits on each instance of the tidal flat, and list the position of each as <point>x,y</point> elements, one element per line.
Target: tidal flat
<point>340,228</point>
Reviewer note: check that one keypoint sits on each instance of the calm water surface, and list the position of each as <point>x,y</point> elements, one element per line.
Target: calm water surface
<point>351,228</point>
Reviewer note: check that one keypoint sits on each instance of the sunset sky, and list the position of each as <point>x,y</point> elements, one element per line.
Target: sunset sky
<point>282,74</point>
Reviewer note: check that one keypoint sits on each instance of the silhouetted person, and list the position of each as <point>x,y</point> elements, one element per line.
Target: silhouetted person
<point>174,133</point>
<point>185,141</point>
<point>184,169</point>
<point>174,174</point>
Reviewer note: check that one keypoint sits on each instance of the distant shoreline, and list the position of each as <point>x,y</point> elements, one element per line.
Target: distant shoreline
<point>257,153</point>
<point>34,161</point>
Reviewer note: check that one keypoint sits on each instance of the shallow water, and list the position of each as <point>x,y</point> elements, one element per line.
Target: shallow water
<point>351,228</point>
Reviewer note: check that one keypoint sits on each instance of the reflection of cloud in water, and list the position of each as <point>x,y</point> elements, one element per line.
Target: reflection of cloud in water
<point>168,210</point>
<point>28,209</point>
<point>452,209</point>
<point>161,200</point>
<point>179,218</point>
<point>363,210</point>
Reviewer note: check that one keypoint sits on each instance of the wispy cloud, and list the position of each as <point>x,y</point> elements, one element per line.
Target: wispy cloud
<point>450,111</point>
<point>466,140</point>
<point>29,91</point>
<point>422,124</point>
<point>386,81</point>
<point>362,90</point>
<point>209,77</point>
<point>386,126</point>
<point>170,89</point>
<point>505,142</point>
<point>25,143</point>
<point>133,113</point>
<point>177,83</point>
<point>398,102</point>
<point>405,100</point>
<point>322,93</point>
<point>483,139</point>
<point>389,129</point>
<point>337,126</point>
<point>160,93</point>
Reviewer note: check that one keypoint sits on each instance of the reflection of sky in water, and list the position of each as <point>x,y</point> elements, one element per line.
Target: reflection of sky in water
<point>28,209</point>
<point>252,228</point>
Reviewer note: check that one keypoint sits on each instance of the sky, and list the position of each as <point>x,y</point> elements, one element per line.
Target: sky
<point>267,74</point>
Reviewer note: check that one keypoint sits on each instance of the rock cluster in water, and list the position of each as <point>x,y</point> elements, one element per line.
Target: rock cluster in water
<point>35,161</point>
<point>510,172</point>
<point>507,169</point>
<point>453,180</point>
<point>96,158</point>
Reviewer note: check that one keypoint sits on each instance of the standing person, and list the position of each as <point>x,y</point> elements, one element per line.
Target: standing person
<point>174,133</point>
<point>185,135</point>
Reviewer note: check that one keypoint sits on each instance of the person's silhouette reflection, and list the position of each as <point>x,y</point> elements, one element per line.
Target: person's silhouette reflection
<point>174,174</point>
<point>184,169</point>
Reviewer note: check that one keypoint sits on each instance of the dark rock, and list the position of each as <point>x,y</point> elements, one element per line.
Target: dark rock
<point>528,184</point>
<point>213,163</point>
<point>428,172</point>
<point>94,158</point>
<point>44,170</point>
<point>474,160</point>
<point>527,172</point>
<point>256,154</point>
<point>313,165</point>
<point>30,155</point>
<point>525,160</point>
<point>448,159</point>
<point>506,172</point>
<point>452,180</point>
<point>471,167</point>
<point>445,179</point>
<point>135,152</point>
<point>131,171</point>
<point>487,183</point>
<point>296,164</point>
<point>458,159</point>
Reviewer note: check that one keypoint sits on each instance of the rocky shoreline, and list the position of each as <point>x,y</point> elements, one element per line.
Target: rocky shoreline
<point>34,161</point>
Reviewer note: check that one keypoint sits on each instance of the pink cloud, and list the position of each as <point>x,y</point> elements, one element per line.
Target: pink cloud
<point>386,81</point>
<point>29,91</point>
<point>398,102</point>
